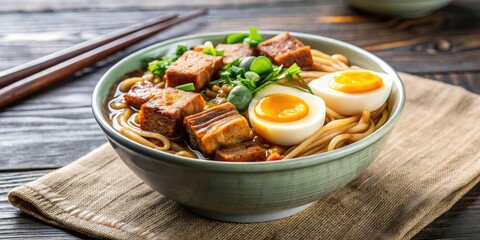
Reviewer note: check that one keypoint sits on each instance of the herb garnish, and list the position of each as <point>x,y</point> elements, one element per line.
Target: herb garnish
<point>249,75</point>
<point>258,74</point>
<point>161,65</point>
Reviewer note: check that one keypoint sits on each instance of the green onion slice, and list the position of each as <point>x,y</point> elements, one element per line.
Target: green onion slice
<point>236,38</point>
<point>186,87</point>
<point>261,65</point>
<point>254,35</point>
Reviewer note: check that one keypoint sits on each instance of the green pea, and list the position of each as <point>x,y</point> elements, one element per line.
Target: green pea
<point>240,96</point>
<point>246,62</point>
<point>261,65</point>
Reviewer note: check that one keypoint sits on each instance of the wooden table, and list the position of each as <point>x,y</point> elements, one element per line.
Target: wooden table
<point>54,127</point>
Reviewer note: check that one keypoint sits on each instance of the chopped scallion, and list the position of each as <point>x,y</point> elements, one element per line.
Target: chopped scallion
<point>236,38</point>
<point>261,65</point>
<point>252,76</point>
<point>246,62</point>
<point>254,37</point>
<point>186,87</point>
<point>212,51</point>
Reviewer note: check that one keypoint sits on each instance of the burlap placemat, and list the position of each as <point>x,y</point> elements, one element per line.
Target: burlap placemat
<point>431,160</point>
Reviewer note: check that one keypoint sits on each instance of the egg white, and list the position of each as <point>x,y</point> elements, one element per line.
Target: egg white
<point>352,103</point>
<point>288,133</point>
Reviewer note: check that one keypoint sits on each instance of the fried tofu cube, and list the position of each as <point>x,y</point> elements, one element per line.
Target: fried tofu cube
<point>193,67</point>
<point>286,50</point>
<point>140,93</point>
<point>234,51</point>
<point>165,112</point>
<point>219,126</point>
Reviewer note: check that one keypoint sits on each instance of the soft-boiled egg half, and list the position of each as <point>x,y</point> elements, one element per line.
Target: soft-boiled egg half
<point>284,115</point>
<point>353,91</point>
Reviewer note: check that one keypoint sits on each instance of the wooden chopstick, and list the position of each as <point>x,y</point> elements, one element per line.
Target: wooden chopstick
<point>14,74</point>
<point>40,80</point>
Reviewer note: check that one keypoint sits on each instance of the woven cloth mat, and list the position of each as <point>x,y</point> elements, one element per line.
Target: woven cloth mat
<point>430,161</point>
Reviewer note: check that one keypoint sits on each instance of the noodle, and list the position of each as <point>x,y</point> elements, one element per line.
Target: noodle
<point>322,67</point>
<point>338,132</point>
<point>379,111</point>
<point>341,58</point>
<point>118,105</point>
<point>382,120</point>
<point>159,84</point>
<point>327,62</point>
<point>148,76</point>
<point>185,154</point>
<point>327,136</point>
<point>360,127</point>
<point>337,139</point>
<point>358,136</point>
<point>333,114</point>
<point>295,150</point>
<point>339,62</point>
<point>135,137</point>
<point>126,84</point>
<point>310,75</point>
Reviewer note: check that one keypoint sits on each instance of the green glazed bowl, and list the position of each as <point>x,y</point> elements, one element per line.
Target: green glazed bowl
<point>400,8</point>
<point>251,191</point>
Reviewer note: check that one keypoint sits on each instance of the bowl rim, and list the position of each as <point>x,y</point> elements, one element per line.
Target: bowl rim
<point>279,165</point>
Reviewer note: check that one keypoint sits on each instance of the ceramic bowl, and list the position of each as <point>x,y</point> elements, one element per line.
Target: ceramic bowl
<point>400,8</point>
<point>252,191</point>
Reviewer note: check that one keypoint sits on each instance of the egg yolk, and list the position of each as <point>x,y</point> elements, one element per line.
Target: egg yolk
<point>355,82</point>
<point>281,108</point>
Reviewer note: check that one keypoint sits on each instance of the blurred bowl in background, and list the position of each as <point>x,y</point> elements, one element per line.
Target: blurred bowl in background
<point>399,8</point>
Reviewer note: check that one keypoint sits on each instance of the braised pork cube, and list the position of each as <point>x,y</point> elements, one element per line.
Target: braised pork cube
<point>193,67</point>
<point>285,50</point>
<point>243,152</point>
<point>234,51</point>
<point>140,93</point>
<point>165,112</point>
<point>219,126</point>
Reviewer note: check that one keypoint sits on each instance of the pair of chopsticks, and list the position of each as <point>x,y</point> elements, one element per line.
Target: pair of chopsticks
<point>20,81</point>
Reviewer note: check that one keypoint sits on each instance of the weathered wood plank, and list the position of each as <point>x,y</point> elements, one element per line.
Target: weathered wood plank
<point>461,222</point>
<point>467,80</point>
